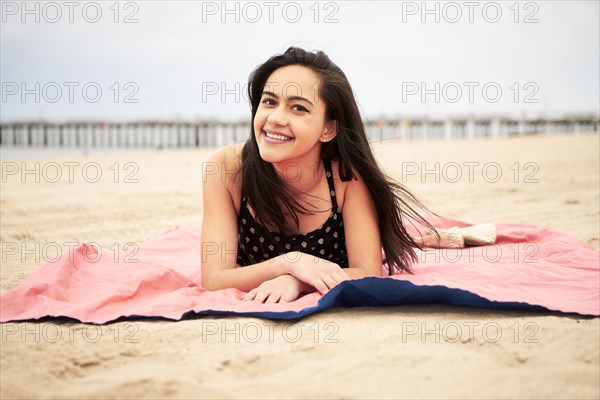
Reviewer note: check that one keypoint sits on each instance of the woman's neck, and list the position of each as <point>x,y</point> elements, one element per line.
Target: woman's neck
<point>301,175</point>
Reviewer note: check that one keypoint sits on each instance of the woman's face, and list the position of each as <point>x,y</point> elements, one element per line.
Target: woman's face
<point>290,124</point>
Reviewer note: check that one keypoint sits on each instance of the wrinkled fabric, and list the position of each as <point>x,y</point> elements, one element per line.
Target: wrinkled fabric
<point>528,268</point>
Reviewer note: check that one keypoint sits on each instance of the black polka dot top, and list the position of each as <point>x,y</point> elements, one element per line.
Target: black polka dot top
<point>327,242</point>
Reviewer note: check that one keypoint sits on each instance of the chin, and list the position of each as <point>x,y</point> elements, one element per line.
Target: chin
<point>268,156</point>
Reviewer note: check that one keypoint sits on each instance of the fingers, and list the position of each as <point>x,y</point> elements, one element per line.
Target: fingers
<point>335,270</point>
<point>344,274</point>
<point>249,296</point>
<point>340,276</point>
<point>287,298</point>
<point>330,281</point>
<point>274,297</point>
<point>263,296</point>
<point>320,286</point>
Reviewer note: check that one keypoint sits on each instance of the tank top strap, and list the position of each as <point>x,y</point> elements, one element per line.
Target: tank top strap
<point>244,204</point>
<point>329,175</point>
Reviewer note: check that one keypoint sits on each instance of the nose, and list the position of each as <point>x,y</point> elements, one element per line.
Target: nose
<point>277,116</point>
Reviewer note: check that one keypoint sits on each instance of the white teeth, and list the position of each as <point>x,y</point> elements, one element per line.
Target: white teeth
<point>278,137</point>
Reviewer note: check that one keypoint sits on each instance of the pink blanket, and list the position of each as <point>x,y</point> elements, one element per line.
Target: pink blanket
<point>527,268</point>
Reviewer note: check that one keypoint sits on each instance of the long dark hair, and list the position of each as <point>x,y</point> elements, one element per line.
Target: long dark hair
<point>272,199</point>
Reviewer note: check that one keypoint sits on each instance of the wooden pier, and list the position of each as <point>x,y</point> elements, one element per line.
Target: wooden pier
<point>217,133</point>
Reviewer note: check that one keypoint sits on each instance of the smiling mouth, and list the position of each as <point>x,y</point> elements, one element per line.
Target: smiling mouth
<point>277,136</point>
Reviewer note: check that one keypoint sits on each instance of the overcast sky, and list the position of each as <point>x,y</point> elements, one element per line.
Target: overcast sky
<point>188,60</point>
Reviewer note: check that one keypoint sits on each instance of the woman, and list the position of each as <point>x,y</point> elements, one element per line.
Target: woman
<point>302,205</point>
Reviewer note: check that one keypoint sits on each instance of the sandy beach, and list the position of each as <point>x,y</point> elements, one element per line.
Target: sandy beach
<point>424,351</point>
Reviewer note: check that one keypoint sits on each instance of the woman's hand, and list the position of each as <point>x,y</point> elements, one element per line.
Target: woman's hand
<point>283,289</point>
<point>321,274</point>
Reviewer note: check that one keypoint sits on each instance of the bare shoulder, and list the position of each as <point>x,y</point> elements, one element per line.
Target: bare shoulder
<point>344,189</point>
<point>227,154</point>
<point>224,164</point>
<point>222,171</point>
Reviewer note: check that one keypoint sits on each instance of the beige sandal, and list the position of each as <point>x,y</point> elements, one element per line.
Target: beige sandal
<point>479,235</point>
<point>458,238</point>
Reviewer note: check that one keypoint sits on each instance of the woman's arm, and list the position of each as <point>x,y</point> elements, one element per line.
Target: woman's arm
<point>363,241</point>
<point>219,253</point>
<point>219,240</point>
<point>219,231</point>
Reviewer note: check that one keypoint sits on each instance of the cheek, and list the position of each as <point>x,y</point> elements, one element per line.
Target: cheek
<point>259,119</point>
<point>257,126</point>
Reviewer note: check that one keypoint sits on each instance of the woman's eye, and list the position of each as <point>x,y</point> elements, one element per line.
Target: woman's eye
<point>269,102</point>
<point>299,107</point>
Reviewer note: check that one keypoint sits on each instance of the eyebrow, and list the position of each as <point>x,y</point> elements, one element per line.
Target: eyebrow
<point>291,98</point>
